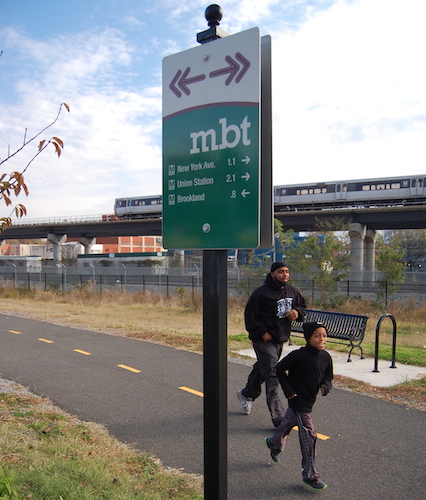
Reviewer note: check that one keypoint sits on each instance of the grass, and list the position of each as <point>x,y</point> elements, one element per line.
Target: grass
<point>48,454</point>
<point>404,354</point>
<point>76,460</point>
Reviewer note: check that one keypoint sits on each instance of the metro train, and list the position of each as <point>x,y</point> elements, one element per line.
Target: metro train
<point>315,196</point>
<point>138,207</point>
<point>356,193</point>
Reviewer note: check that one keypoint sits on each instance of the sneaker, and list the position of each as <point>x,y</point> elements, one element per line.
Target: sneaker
<point>246,403</point>
<point>273,449</point>
<point>317,484</point>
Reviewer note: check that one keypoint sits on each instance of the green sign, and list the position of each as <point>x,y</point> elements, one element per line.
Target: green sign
<point>211,145</point>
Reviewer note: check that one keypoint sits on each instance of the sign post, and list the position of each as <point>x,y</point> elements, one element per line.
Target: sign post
<point>215,374</point>
<point>212,190</point>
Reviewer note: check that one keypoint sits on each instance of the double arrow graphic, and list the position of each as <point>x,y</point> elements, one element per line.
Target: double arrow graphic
<point>180,82</point>
<point>233,69</point>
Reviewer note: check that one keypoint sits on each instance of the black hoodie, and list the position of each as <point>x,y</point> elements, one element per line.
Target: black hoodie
<point>303,372</point>
<point>261,311</point>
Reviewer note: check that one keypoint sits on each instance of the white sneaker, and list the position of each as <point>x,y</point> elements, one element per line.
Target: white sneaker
<point>246,404</point>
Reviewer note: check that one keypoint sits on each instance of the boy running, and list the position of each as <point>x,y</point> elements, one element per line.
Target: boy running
<point>302,374</point>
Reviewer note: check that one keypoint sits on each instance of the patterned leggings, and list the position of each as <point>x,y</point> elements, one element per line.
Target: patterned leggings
<point>307,439</point>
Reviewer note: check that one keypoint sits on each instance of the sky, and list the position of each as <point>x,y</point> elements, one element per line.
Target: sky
<point>348,91</point>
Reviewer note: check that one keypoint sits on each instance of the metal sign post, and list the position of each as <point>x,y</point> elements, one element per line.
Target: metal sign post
<point>212,190</point>
<point>215,374</point>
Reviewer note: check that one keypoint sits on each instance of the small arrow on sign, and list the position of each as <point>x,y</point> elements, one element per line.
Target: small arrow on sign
<point>244,193</point>
<point>233,69</point>
<point>246,176</point>
<point>246,160</point>
<point>182,81</point>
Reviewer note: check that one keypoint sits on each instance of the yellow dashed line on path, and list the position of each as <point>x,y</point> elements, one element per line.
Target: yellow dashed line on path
<point>47,341</point>
<point>13,331</point>
<point>322,437</point>
<point>319,436</point>
<point>192,391</point>
<point>83,352</point>
<point>134,370</point>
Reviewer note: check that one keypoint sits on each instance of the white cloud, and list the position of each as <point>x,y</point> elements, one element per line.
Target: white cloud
<point>111,136</point>
<point>349,93</point>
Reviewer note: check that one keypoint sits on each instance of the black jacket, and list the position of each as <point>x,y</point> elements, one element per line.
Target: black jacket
<point>261,311</point>
<point>303,372</point>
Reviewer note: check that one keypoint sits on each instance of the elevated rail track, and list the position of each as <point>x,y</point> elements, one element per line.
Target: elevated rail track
<point>92,226</point>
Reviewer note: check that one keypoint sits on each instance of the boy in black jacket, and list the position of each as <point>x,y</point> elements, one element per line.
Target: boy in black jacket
<point>301,374</point>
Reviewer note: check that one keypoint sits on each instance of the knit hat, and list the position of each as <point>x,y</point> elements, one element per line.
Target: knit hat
<point>277,265</point>
<point>309,328</point>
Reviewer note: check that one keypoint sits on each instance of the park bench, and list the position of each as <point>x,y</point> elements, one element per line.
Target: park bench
<point>342,328</point>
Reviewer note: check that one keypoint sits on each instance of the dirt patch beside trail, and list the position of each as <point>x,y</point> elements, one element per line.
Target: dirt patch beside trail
<point>411,396</point>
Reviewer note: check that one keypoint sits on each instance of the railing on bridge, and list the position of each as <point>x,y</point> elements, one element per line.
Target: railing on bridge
<point>73,219</point>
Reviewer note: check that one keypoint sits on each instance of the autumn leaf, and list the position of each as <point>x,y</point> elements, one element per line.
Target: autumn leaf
<point>20,210</point>
<point>6,199</point>
<point>58,149</point>
<point>59,141</point>
<point>5,222</point>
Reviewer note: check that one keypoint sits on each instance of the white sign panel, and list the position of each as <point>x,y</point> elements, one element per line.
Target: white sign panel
<point>225,70</point>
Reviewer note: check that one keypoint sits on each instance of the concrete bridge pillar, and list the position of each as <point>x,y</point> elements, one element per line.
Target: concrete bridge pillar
<point>363,252</point>
<point>370,254</point>
<point>357,234</point>
<point>57,240</point>
<point>180,258</point>
<point>87,244</point>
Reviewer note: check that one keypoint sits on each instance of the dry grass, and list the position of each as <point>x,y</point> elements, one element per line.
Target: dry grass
<point>175,321</point>
<point>134,315</point>
<point>47,453</point>
<point>411,322</point>
<point>178,319</point>
<point>410,394</point>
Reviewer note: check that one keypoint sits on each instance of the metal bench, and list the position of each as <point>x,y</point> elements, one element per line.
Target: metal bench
<point>345,328</point>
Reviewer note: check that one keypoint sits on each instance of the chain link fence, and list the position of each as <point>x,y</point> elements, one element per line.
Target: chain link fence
<point>176,281</point>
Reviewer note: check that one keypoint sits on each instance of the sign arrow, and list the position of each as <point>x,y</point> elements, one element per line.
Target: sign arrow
<point>182,81</point>
<point>246,176</point>
<point>233,69</point>
<point>244,193</point>
<point>246,160</point>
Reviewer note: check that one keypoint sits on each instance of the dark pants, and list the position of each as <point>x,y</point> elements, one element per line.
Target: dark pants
<point>307,439</point>
<point>264,370</point>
